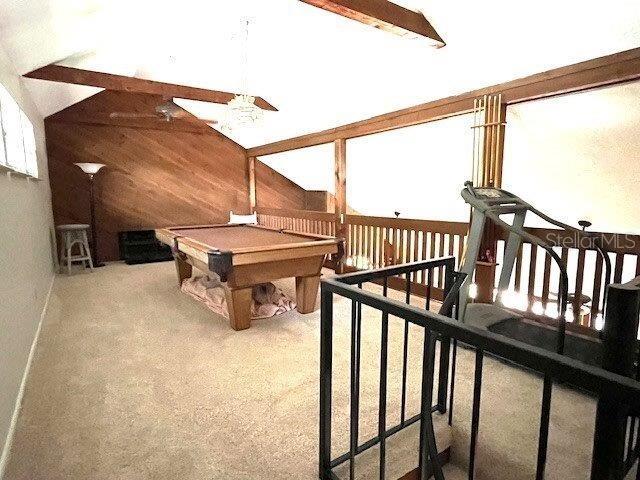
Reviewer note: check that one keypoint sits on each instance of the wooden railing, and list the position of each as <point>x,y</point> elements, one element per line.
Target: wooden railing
<point>377,242</point>
<point>536,277</point>
<point>306,221</point>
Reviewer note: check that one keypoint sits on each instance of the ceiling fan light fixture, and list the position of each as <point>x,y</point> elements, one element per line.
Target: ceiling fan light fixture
<point>244,110</point>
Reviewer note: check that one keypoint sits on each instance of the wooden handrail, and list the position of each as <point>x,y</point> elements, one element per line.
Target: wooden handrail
<point>455,228</point>
<point>305,214</point>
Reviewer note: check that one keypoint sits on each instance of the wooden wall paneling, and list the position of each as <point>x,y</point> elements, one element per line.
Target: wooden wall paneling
<point>277,191</point>
<point>145,185</point>
<point>319,201</point>
<point>153,178</point>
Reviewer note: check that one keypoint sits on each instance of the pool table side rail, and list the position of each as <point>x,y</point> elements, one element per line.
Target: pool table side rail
<point>312,236</point>
<point>221,261</point>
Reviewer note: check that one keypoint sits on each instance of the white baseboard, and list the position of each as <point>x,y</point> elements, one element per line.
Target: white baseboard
<point>18,404</point>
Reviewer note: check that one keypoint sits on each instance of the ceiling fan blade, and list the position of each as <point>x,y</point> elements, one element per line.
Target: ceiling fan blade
<point>133,115</point>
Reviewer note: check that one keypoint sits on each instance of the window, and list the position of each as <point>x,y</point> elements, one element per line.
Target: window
<point>17,142</point>
<point>29,142</point>
<point>3,152</point>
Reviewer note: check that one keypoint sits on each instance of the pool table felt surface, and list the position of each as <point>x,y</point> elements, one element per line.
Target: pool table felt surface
<point>235,237</point>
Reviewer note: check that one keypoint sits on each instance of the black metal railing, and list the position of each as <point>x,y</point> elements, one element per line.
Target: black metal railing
<point>619,395</point>
<point>432,269</point>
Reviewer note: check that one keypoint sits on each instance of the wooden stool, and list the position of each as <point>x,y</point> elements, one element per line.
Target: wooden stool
<point>74,234</point>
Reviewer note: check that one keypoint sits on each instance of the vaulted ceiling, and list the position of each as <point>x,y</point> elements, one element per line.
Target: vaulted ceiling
<point>320,70</point>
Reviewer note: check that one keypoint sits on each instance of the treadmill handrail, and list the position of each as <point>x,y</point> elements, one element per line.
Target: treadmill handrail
<point>506,203</point>
<point>470,195</point>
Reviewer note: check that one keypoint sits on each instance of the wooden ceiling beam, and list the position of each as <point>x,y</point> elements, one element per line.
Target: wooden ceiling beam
<point>110,81</point>
<point>384,15</point>
<point>609,70</point>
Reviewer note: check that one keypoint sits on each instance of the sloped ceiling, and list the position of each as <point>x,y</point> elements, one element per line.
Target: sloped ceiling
<point>319,69</point>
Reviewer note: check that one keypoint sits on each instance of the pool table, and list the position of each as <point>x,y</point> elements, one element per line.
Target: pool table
<point>248,255</point>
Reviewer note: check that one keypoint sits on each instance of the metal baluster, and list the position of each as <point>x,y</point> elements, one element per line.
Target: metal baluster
<point>355,389</point>
<point>475,414</point>
<point>544,427</point>
<point>382,406</point>
<point>453,379</point>
<point>428,446</point>
<point>326,354</point>
<point>405,352</point>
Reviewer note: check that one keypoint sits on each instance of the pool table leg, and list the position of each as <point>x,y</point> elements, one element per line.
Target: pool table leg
<point>239,306</point>
<point>183,269</point>
<point>307,293</point>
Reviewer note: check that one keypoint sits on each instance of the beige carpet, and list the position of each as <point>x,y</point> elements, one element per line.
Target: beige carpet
<point>134,380</point>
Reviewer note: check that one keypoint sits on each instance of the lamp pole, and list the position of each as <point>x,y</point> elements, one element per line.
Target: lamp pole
<point>91,169</point>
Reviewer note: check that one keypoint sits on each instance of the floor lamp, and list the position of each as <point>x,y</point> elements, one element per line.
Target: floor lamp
<point>91,169</point>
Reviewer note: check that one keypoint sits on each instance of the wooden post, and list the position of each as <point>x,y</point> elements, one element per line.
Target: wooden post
<point>341,191</point>
<point>251,179</point>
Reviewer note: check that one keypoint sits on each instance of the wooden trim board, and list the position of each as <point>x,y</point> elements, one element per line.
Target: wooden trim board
<point>383,15</point>
<point>110,81</point>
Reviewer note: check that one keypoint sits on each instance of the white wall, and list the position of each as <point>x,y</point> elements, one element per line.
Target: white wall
<point>26,262</point>
<point>578,156</point>
<point>418,171</point>
<point>311,167</point>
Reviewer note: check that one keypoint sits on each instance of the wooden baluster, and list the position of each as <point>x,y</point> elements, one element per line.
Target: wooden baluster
<point>424,255</point>
<point>595,295</point>
<point>450,241</point>
<point>441,254</point>
<point>617,276</point>
<point>376,246</point>
<point>415,253</point>
<point>577,297</point>
<point>355,243</point>
<point>370,245</point>
<point>383,240</point>
<point>432,236</point>
<point>546,281</point>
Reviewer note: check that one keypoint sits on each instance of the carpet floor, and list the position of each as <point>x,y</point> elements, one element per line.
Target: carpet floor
<point>134,380</point>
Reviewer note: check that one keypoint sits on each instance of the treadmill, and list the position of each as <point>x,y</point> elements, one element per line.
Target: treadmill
<point>493,203</point>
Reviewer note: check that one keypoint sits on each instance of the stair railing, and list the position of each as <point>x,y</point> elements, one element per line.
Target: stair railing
<point>618,395</point>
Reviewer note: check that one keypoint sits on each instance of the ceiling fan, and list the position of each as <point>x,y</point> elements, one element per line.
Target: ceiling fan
<point>166,111</point>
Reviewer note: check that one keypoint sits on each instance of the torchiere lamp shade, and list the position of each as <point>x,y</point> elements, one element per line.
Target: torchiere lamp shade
<point>90,168</point>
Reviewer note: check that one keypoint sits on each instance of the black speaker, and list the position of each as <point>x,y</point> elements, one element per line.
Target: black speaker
<point>141,246</point>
